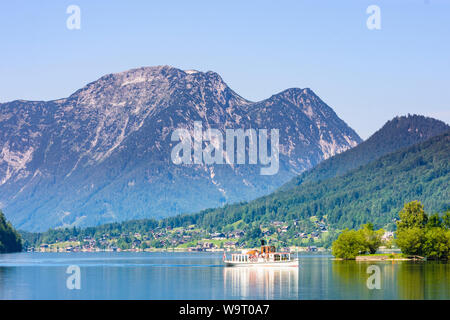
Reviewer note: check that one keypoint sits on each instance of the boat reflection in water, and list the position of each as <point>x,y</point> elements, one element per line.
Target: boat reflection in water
<point>261,283</point>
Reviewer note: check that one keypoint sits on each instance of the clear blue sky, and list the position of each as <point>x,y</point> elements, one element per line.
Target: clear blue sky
<point>258,47</point>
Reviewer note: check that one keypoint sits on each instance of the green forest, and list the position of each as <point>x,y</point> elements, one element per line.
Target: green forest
<point>418,234</point>
<point>375,193</point>
<point>393,136</point>
<point>10,240</point>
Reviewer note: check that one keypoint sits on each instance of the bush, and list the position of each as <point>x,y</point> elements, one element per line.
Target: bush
<point>421,235</point>
<point>348,245</point>
<point>411,240</point>
<point>437,244</point>
<point>372,238</point>
<point>351,243</point>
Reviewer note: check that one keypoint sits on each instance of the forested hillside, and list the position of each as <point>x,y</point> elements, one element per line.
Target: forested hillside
<point>9,239</point>
<point>374,192</point>
<point>397,133</point>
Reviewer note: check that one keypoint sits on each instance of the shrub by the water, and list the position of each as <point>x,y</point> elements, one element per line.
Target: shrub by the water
<point>352,243</point>
<point>417,234</point>
<point>423,235</point>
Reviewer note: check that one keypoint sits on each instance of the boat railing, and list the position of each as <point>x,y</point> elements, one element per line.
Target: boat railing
<point>272,256</point>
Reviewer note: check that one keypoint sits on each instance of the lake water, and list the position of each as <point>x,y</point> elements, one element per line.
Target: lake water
<point>128,275</point>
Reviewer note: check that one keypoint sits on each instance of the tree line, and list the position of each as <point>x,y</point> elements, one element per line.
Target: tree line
<point>10,240</point>
<point>417,234</point>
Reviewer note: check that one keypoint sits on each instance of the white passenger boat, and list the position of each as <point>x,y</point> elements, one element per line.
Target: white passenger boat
<point>266,257</point>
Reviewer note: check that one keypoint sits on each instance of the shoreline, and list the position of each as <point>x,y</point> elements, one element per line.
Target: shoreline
<point>388,257</point>
<point>160,250</point>
<point>62,250</point>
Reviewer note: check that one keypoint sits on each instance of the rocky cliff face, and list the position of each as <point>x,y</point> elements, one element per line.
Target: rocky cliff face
<point>103,154</point>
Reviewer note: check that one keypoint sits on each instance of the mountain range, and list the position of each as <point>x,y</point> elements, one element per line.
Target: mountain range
<point>413,168</point>
<point>346,196</point>
<point>103,154</point>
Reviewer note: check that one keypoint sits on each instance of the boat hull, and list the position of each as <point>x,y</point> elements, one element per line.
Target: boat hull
<point>278,264</point>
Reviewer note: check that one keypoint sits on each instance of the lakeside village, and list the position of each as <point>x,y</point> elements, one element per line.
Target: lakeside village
<point>293,236</point>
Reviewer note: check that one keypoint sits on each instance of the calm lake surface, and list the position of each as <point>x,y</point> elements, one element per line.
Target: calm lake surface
<point>128,275</point>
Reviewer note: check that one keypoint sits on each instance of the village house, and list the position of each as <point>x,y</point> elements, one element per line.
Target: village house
<point>388,235</point>
<point>236,234</point>
<point>230,244</point>
<point>217,236</point>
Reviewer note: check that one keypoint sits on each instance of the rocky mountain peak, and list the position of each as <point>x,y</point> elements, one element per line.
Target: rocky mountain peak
<point>104,153</point>
<point>147,86</point>
<point>409,128</point>
<point>305,99</point>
